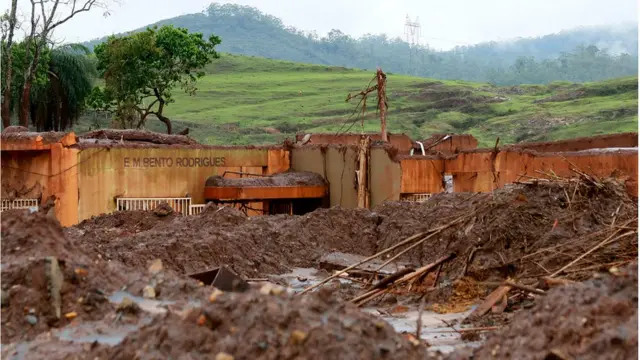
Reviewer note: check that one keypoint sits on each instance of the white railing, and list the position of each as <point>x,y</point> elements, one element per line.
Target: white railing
<point>415,197</point>
<point>196,209</point>
<point>19,204</point>
<point>181,205</point>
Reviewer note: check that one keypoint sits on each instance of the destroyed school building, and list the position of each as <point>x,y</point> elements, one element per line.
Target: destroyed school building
<point>108,170</point>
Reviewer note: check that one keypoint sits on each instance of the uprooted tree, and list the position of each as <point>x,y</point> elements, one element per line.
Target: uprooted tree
<point>140,70</point>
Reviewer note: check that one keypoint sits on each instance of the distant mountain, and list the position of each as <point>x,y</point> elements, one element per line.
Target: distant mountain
<point>584,54</point>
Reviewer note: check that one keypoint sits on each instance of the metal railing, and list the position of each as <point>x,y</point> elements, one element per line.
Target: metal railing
<point>19,204</point>
<point>196,209</point>
<point>415,197</point>
<point>181,205</point>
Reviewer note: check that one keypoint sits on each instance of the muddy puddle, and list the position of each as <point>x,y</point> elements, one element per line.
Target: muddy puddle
<point>439,330</point>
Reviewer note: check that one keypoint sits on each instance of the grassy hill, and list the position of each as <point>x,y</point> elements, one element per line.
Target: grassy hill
<point>251,100</point>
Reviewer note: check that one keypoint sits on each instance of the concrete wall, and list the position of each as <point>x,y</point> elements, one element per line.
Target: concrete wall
<point>385,177</point>
<point>455,143</point>
<point>104,174</point>
<point>336,164</point>
<point>482,171</point>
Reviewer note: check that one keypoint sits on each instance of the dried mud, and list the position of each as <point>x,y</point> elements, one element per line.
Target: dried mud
<point>596,319</point>
<point>29,242</point>
<point>498,231</point>
<point>257,326</point>
<point>299,178</point>
<point>506,233</point>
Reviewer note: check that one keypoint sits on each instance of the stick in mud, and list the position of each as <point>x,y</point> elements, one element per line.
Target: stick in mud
<point>402,243</point>
<point>365,298</point>
<point>604,242</point>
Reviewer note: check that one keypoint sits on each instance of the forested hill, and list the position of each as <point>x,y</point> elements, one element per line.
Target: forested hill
<point>579,55</point>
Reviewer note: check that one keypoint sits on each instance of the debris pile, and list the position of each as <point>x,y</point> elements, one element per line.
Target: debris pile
<point>596,319</point>
<point>49,281</point>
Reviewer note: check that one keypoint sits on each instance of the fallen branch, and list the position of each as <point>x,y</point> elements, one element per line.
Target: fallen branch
<point>370,295</point>
<point>335,275</point>
<point>463,330</point>
<point>513,285</point>
<point>604,242</point>
<point>433,233</point>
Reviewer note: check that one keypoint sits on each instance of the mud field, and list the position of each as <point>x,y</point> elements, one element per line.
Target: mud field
<point>116,286</point>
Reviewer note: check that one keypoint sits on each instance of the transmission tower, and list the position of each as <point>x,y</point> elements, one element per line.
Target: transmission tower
<point>413,33</point>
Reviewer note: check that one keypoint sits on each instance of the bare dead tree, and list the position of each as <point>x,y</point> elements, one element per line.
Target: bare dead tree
<point>7,41</point>
<point>382,102</point>
<point>38,40</point>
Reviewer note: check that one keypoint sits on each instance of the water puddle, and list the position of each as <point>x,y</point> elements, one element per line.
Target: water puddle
<point>148,305</point>
<point>92,332</point>
<point>434,330</point>
<point>300,278</point>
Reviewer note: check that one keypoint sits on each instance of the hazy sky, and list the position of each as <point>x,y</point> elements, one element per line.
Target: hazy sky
<point>445,23</point>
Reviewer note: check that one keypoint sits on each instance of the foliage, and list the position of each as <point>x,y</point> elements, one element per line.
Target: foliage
<point>70,79</point>
<point>140,70</point>
<point>19,66</point>
<point>242,99</point>
<point>563,56</point>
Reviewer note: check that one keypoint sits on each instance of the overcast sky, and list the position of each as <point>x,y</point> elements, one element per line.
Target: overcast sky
<point>445,23</point>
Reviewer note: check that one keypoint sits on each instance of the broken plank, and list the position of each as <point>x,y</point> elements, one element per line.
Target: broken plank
<point>491,300</point>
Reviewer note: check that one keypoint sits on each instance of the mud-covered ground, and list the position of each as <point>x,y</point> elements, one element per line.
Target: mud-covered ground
<point>495,238</point>
<point>596,319</point>
<point>524,232</point>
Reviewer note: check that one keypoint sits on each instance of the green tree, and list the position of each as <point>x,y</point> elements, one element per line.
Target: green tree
<point>71,74</point>
<point>141,70</point>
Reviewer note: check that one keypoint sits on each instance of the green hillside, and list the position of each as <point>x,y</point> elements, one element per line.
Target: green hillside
<point>251,100</point>
<point>581,54</point>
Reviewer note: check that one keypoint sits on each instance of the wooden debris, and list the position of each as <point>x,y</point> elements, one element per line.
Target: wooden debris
<point>491,300</point>
<point>370,295</point>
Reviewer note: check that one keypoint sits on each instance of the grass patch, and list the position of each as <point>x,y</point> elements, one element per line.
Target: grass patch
<point>242,100</point>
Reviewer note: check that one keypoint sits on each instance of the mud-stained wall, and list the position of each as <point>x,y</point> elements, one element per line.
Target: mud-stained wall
<point>578,144</point>
<point>455,143</point>
<point>25,174</point>
<point>402,141</point>
<point>486,171</point>
<point>41,174</point>
<point>423,175</point>
<point>336,164</point>
<point>104,174</point>
<point>385,177</point>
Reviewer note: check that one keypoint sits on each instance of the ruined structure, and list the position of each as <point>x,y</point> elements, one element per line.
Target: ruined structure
<point>106,171</point>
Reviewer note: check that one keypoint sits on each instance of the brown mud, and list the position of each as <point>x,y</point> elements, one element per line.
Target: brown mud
<point>509,233</point>
<point>596,319</point>
<point>30,242</point>
<point>291,178</point>
<point>257,326</point>
<point>141,136</point>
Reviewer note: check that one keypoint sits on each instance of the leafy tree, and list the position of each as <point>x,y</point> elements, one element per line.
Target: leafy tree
<point>70,80</point>
<point>141,70</point>
<point>9,22</point>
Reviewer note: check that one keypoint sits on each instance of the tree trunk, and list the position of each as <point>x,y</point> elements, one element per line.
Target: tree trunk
<point>166,121</point>
<point>161,117</point>
<point>6,99</point>
<point>25,101</point>
<point>25,104</point>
